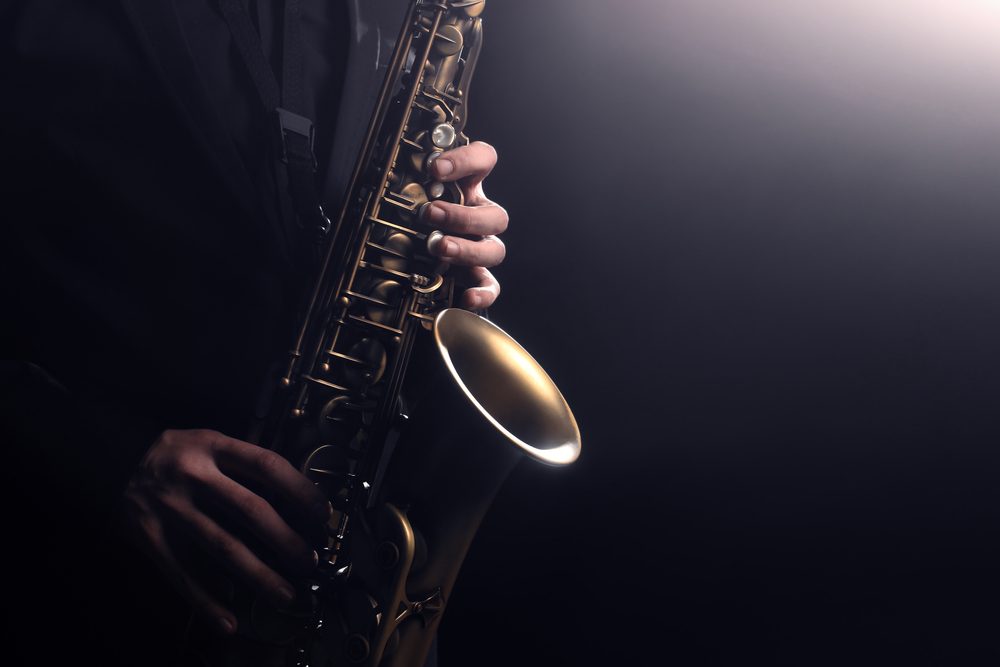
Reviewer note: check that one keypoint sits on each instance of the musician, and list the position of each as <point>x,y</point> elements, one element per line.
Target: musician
<point>151,269</point>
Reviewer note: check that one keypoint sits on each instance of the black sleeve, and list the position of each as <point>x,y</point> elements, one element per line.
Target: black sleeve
<point>67,458</point>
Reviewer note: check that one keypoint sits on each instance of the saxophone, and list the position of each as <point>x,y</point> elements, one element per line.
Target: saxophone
<point>408,490</point>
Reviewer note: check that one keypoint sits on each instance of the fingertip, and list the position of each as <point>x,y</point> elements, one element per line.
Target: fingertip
<point>309,562</point>
<point>225,625</point>
<point>322,511</point>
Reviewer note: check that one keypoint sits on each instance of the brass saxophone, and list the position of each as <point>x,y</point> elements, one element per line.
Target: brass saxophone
<point>408,492</point>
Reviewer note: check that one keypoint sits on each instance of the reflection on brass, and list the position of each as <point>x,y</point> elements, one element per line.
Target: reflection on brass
<point>448,41</point>
<point>406,513</point>
<point>364,363</point>
<point>414,196</point>
<point>386,295</point>
<point>397,252</point>
<point>507,388</point>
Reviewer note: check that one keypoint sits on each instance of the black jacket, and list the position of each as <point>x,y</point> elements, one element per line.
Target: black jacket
<point>148,274</point>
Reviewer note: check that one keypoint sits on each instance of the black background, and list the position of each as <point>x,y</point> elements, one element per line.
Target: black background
<point>758,247</point>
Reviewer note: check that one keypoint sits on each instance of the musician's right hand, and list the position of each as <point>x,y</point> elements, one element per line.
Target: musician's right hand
<point>469,166</point>
<point>184,477</point>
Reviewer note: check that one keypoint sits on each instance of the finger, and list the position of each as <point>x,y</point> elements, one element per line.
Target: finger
<point>481,220</point>
<point>485,291</point>
<point>205,605</point>
<point>255,514</point>
<point>471,163</point>
<point>274,472</point>
<point>232,554</point>
<point>489,251</point>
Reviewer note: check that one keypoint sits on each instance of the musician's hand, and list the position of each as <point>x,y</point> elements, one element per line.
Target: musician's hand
<point>187,476</point>
<point>468,166</point>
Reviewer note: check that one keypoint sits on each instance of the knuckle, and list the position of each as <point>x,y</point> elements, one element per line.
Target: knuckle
<point>189,473</point>
<point>177,458</point>
<point>222,545</point>
<point>492,151</point>
<point>201,437</point>
<point>267,461</point>
<point>181,468</point>
<point>251,506</point>
<point>168,437</point>
<point>165,476</point>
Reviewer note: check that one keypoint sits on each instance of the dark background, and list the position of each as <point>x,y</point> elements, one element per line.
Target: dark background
<point>757,245</point>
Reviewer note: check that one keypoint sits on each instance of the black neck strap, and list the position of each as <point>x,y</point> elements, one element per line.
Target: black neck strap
<point>286,104</point>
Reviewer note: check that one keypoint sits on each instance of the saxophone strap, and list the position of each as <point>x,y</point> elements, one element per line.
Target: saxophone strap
<point>285,104</point>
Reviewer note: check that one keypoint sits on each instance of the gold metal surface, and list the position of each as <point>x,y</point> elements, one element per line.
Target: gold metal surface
<point>508,388</point>
<point>404,520</point>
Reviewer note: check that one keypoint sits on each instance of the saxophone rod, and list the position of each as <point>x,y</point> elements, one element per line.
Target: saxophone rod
<point>381,108</point>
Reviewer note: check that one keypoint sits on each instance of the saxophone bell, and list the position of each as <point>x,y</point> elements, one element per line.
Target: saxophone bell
<point>492,406</point>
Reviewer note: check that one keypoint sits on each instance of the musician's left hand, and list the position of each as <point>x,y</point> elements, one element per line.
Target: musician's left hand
<point>468,166</point>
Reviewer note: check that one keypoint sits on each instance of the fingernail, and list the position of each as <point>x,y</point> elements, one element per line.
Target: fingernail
<point>444,167</point>
<point>310,561</point>
<point>286,595</point>
<point>449,249</point>
<point>322,511</point>
<point>225,625</point>
<point>435,214</point>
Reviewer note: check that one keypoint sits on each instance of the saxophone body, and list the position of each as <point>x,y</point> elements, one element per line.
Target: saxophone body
<point>409,486</point>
